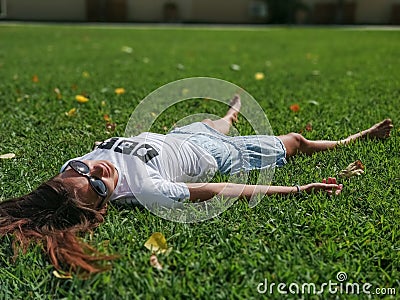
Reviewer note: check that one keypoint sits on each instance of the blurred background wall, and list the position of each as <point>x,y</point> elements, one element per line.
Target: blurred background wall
<point>206,11</point>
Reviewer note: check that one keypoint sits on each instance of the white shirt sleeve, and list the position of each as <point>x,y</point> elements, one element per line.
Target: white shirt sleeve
<point>150,188</point>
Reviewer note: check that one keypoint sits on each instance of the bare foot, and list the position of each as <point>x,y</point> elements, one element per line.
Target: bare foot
<point>380,130</point>
<point>224,124</point>
<point>235,105</point>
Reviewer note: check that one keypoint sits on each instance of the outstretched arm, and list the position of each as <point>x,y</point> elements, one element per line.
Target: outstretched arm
<point>205,191</point>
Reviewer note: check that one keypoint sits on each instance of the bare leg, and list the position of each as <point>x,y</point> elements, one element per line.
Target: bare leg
<point>296,143</point>
<point>224,124</point>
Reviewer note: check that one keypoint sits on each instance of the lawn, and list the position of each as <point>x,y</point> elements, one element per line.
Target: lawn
<point>342,80</point>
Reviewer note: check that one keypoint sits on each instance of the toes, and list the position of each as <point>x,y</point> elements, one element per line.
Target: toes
<point>387,122</point>
<point>331,180</point>
<point>235,103</point>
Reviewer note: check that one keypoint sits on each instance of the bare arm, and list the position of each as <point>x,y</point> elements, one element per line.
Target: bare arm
<point>205,191</point>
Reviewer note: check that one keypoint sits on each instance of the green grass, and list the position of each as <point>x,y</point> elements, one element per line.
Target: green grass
<point>292,239</point>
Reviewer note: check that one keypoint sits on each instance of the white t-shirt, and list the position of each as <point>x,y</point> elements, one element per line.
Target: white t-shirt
<point>153,168</point>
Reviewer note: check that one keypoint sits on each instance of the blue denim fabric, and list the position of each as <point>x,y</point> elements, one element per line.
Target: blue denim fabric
<point>235,153</point>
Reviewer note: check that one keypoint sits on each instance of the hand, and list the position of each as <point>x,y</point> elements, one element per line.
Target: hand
<point>330,186</point>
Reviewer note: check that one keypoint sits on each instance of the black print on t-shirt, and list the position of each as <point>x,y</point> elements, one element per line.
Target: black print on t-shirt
<point>125,147</point>
<point>145,152</point>
<point>107,144</point>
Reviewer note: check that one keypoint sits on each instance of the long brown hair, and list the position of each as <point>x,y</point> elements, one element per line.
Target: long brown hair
<point>53,216</point>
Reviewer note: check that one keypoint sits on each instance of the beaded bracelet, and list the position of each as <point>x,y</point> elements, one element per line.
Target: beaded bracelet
<point>298,188</point>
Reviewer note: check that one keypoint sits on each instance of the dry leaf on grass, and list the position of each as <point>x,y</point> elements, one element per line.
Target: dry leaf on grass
<point>157,243</point>
<point>155,263</point>
<point>61,275</point>
<point>119,91</point>
<point>71,112</point>
<point>308,127</point>
<point>354,169</point>
<point>294,107</point>
<point>313,102</point>
<point>58,93</point>
<point>127,49</point>
<point>259,76</point>
<point>81,99</point>
<point>7,156</point>
<point>235,67</point>
<point>110,127</point>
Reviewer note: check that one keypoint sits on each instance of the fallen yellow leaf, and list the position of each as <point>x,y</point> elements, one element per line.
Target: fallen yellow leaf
<point>35,78</point>
<point>81,99</point>
<point>85,74</point>
<point>119,91</point>
<point>71,112</point>
<point>7,156</point>
<point>157,243</point>
<point>259,76</point>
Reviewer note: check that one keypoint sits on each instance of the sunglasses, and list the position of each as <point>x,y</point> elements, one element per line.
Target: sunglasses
<point>83,169</point>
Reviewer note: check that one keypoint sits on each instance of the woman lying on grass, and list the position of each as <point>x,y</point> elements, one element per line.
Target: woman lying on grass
<point>162,169</point>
